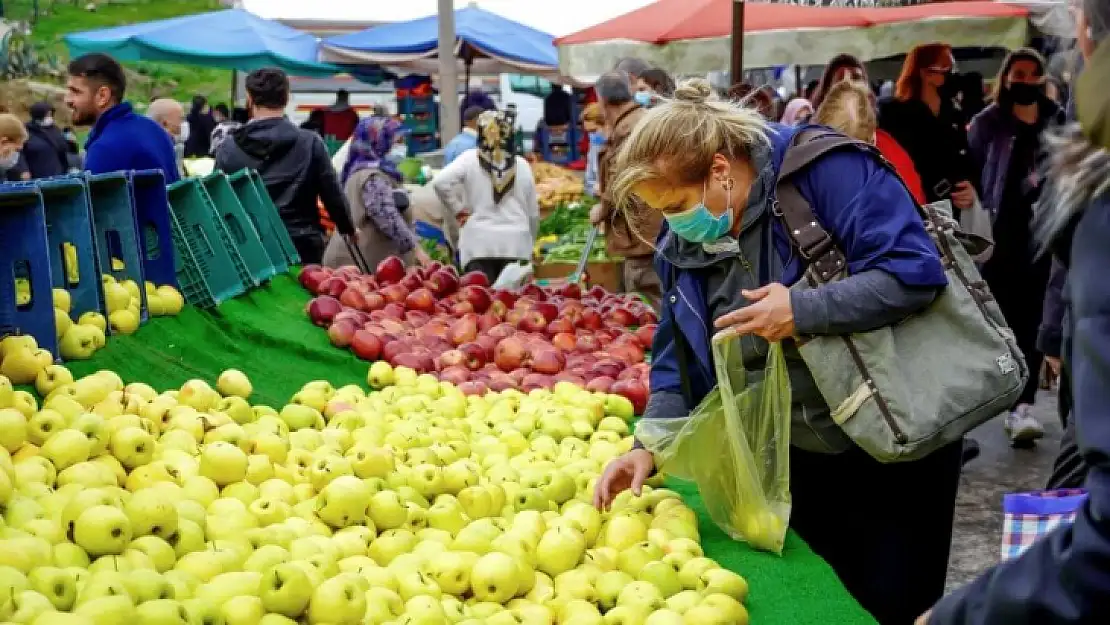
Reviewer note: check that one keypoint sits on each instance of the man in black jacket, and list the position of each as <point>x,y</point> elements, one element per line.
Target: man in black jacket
<point>45,150</point>
<point>293,163</point>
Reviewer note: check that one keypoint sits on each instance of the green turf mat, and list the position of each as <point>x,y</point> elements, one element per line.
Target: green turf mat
<point>266,334</point>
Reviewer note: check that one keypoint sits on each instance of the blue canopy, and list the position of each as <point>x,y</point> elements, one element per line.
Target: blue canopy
<point>491,43</point>
<point>231,39</point>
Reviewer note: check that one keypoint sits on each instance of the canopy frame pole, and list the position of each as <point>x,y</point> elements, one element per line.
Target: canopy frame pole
<point>448,74</point>
<point>736,69</point>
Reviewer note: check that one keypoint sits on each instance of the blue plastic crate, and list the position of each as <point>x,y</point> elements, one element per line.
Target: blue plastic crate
<point>69,231</point>
<point>118,248</point>
<point>265,221</point>
<point>421,123</point>
<point>244,236</point>
<point>152,210</point>
<point>420,104</point>
<point>24,259</point>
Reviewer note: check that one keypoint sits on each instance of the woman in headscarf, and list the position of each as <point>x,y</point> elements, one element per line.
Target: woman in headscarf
<point>798,111</point>
<point>370,180</point>
<point>201,126</point>
<point>493,195</point>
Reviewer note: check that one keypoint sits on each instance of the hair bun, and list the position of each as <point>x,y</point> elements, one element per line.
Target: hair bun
<point>693,90</point>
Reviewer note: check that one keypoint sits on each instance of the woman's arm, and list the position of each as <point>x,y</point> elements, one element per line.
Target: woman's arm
<point>448,181</point>
<point>377,197</point>
<point>531,203</point>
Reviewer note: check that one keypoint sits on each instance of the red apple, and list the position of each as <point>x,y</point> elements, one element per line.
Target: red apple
<point>627,352</point>
<point>501,383</point>
<point>647,317</point>
<point>644,335</point>
<point>478,296</point>
<point>590,319</point>
<point>567,376</point>
<point>547,360</point>
<point>455,374</point>
<point>421,363</point>
<point>366,345</point>
<point>451,358</point>
<point>474,278</point>
<point>629,374</point>
<point>600,384</point>
<point>322,310</point>
<point>571,290</point>
<point>587,343</point>
<point>473,387</point>
<point>333,286</point>
<point>374,301</point>
<point>547,309</point>
<point>394,293</point>
<point>390,270</point>
<point>462,331</point>
<point>634,390</point>
<point>534,381</point>
<point>534,291</point>
<point>392,349</point>
<point>341,332</point>
<point>412,282</point>
<point>421,299</point>
<point>476,355</point>
<point>394,310</point>
<point>532,321</point>
<point>510,354</point>
<point>416,318</point>
<point>459,309</point>
<point>443,283</point>
<point>621,316</point>
<point>605,368</point>
<point>562,325</point>
<point>564,341</point>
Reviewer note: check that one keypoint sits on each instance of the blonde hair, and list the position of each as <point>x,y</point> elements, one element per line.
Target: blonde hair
<point>677,139</point>
<point>11,128</point>
<point>847,108</point>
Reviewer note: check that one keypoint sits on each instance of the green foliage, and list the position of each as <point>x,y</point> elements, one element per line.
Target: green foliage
<point>148,80</point>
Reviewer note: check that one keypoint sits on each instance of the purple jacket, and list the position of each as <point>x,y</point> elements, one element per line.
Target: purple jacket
<point>991,137</point>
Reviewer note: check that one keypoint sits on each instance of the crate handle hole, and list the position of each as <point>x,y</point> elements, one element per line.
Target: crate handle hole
<point>21,277</point>
<point>71,266</point>
<point>153,250</point>
<point>235,228</point>
<point>115,251</point>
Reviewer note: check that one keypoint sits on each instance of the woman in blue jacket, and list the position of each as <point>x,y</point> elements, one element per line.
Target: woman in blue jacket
<point>710,168</point>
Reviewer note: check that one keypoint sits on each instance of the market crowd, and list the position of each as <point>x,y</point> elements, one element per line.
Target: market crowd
<point>686,180</point>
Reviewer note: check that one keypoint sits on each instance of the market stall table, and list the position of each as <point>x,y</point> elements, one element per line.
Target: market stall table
<point>266,334</point>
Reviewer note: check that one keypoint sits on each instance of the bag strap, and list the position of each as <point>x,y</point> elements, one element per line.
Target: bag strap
<point>814,243</point>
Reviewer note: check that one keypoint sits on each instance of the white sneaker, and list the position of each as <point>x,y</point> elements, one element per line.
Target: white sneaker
<point>1022,427</point>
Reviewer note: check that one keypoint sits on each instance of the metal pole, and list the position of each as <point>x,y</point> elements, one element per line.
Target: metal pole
<point>448,73</point>
<point>737,67</point>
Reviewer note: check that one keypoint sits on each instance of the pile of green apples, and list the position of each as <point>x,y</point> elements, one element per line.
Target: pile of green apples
<point>408,504</point>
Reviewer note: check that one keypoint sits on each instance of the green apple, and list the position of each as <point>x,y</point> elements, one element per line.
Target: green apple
<point>494,578</point>
<point>342,502</point>
<point>55,584</point>
<point>147,585</point>
<point>641,596</point>
<point>386,510</point>
<point>162,612</point>
<point>103,584</point>
<point>234,383</point>
<point>285,589</point>
<point>447,516</point>
<point>52,377</point>
<point>132,446</point>
<point>44,424</point>
<point>223,463</point>
<point>626,615</point>
<point>338,601</point>
<point>242,610</point>
<point>683,601</point>
<point>731,609</point>
<point>151,513</point>
<point>381,375</point>
<point>690,574</point>
<point>460,474</point>
<point>662,576</point>
<point>609,586</point>
<point>29,605</point>
<point>723,581</point>
<point>108,610</point>
<point>102,530</point>
<point>13,429</point>
<point>560,549</point>
<point>300,417</point>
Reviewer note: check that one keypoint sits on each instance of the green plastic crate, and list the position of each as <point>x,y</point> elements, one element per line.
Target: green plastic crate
<point>239,225</point>
<point>292,257</point>
<point>263,218</point>
<point>209,268</point>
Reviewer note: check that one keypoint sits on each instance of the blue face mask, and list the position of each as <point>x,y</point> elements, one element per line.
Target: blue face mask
<point>643,98</point>
<point>698,225</point>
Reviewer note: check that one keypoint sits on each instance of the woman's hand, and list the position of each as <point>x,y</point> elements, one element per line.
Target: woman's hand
<point>769,315</point>
<point>628,471</point>
<point>963,195</point>
<point>924,618</point>
<point>421,256</point>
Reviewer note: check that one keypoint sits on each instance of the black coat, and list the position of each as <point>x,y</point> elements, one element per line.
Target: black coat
<point>936,143</point>
<point>45,151</point>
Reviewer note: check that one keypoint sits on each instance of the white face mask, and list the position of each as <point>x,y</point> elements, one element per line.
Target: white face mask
<point>48,121</point>
<point>399,151</point>
<point>183,136</point>
<point>9,161</point>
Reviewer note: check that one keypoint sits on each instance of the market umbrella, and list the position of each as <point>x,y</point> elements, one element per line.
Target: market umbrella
<point>693,36</point>
<point>486,44</point>
<point>231,39</point>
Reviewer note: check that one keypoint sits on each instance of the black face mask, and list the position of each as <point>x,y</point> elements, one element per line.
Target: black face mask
<point>1023,93</point>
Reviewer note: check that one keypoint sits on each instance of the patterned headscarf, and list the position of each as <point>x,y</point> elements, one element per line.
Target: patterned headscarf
<point>370,144</point>
<point>495,150</point>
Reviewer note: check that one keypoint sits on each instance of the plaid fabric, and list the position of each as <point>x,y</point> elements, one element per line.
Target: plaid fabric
<point>1029,516</point>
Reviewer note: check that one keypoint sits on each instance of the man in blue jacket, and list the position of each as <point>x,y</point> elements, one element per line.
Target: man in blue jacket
<point>120,140</point>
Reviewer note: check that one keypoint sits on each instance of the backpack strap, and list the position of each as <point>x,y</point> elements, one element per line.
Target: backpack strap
<point>814,243</point>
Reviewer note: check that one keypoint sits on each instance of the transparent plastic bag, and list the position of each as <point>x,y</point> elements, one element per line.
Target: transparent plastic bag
<point>735,446</point>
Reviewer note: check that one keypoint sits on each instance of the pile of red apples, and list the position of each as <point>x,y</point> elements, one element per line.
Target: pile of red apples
<point>435,321</point>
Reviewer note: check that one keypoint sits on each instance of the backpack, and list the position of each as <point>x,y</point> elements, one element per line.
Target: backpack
<point>901,392</point>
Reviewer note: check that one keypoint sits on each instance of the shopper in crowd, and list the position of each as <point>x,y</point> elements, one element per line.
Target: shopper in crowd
<point>220,133</point>
<point>841,67</point>
<point>492,193</point>
<point>467,139</point>
<point>759,99</point>
<point>13,136</point>
<point>1005,142</point>
<point>293,163</point>
<point>797,112</point>
<point>810,90</point>
<point>709,168</point>
<point>654,84</point>
<point>120,139</point>
<point>73,150</point>
<point>630,232</point>
<point>923,119</point>
<point>478,98</point>
<point>633,68</point>
<point>1064,578</point>
<point>45,150</point>
<point>847,108</point>
<point>240,114</point>
<point>314,122</point>
<point>220,113</point>
<point>201,125</point>
<point>170,115</point>
<point>371,182</point>
<point>593,122</point>
<point>340,118</point>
